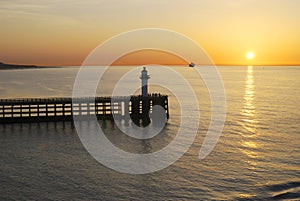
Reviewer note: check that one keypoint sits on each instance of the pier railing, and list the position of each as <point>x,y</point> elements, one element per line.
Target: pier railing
<point>63,109</point>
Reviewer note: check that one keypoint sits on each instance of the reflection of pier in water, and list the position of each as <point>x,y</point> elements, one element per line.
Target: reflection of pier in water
<point>63,109</point>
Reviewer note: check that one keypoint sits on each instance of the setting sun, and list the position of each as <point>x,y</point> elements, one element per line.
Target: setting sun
<point>250,55</point>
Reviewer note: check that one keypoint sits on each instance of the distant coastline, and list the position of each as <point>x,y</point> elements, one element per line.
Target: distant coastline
<point>4,66</point>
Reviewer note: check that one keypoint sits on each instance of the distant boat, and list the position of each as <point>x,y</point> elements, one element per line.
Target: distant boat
<point>191,64</point>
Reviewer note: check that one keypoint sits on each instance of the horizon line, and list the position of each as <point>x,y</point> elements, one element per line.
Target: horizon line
<point>168,64</point>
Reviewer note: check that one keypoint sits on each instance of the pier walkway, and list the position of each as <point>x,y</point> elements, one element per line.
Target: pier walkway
<point>63,109</point>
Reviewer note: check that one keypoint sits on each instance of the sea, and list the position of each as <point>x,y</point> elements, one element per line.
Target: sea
<point>257,156</point>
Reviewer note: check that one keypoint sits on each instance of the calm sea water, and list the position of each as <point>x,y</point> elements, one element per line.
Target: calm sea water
<point>257,156</point>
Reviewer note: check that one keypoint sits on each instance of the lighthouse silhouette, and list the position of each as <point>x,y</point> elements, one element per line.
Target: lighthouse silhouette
<point>144,77</point>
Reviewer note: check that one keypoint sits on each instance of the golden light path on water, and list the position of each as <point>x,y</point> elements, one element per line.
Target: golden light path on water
<point>249,121</point>
<point>248,144</point>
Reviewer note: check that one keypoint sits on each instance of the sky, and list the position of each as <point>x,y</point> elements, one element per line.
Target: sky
<point>56,32</point>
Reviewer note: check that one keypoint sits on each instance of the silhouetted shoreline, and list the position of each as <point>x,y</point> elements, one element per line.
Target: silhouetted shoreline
<point>4,66</point>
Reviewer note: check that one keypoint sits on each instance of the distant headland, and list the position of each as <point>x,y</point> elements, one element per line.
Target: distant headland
<point>4,66</point>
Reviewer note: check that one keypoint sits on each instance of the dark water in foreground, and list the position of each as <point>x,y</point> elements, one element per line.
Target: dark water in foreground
<point>256,158</point>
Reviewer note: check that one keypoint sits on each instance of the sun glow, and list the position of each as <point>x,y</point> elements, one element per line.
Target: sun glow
<point>250,55</point>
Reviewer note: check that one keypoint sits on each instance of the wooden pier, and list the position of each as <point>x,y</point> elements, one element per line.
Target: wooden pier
<point>63,109</point>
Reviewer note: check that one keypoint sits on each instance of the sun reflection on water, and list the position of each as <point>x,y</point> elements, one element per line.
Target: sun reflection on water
<point>249,109</point>
<point>249,122</point>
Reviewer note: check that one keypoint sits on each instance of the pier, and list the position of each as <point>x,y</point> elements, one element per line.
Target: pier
<point>63,109</point>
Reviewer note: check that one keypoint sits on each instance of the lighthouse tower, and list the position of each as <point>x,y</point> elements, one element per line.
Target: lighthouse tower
<point>144,77</point>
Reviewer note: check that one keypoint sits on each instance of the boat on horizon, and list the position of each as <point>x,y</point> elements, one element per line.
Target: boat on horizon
<point>191,64</point>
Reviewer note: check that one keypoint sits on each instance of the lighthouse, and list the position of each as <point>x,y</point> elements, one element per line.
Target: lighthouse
<point>144,77</point>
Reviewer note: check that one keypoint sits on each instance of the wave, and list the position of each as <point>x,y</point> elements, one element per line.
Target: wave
<point>287,195</point>
<point>284,186</point>
<point>287,190</point>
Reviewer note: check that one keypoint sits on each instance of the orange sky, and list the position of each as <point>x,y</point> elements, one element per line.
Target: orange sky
<point>152,56</point>
<point>64,32</point>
